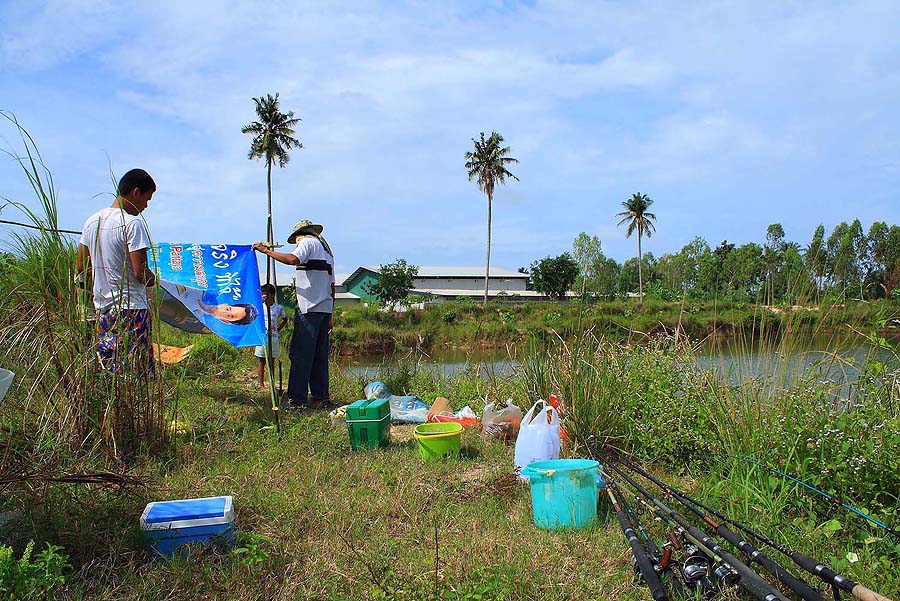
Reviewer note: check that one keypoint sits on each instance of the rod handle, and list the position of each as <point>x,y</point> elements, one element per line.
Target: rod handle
<point>864,594</point>
<point>822,571</point>
<point>803,590</point>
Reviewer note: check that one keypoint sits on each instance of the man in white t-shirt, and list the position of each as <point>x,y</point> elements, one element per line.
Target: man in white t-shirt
<point>314,281</point>
<point>113,251</point>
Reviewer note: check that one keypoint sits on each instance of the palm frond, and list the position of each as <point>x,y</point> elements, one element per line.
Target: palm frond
<point>273,132</point>
<point>487,162</point>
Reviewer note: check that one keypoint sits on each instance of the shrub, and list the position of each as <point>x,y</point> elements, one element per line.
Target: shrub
<point>32,578</point>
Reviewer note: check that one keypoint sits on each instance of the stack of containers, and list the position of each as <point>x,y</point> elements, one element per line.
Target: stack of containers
<point>369,423</point>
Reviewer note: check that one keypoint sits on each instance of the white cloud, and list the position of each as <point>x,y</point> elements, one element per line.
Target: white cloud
<point>40,35</point>
<point>596,100</point>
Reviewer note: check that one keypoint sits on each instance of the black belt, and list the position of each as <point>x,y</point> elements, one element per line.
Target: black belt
<point>315,265</point>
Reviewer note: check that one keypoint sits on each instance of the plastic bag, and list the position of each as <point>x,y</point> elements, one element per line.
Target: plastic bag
<point>410,409</point>
<point>501,422</point>
<point>538,438</point>
<point>339,416</point>
<point>466,417</point>
<point>6,378</point>
<point>376,390</point>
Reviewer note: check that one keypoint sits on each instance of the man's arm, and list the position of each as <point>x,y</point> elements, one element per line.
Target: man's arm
<point>330,315</point>
<point>82,265</point>
<point>140,268</point>
<point>286,258</point>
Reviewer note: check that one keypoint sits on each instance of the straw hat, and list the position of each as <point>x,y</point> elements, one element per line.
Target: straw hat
<point>305,227</point>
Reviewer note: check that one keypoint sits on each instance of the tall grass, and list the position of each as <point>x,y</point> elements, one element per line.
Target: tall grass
<point>655,401</point>
<point>62,402</point>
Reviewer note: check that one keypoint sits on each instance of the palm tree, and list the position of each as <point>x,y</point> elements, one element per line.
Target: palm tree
<point>273,138</point>
<point>637,218</point>
<point>487,164</point>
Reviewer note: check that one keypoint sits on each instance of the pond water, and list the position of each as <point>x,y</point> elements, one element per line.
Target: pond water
<point>836,359</point>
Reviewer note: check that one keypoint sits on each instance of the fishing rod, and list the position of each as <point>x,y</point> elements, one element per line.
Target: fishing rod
<point>749,580</point>
<point>645,567</point>
<point>628,521</point>
<point>834,500</point>
<point>661,559</point>
<point>39,227</point>
<point>801,588</point>
<point>702,569</point>
<point>809,564</point>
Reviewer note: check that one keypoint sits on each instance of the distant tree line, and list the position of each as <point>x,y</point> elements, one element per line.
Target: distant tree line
<point>848,263</point>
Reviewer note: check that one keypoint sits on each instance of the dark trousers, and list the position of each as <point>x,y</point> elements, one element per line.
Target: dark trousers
<point>309,357</point>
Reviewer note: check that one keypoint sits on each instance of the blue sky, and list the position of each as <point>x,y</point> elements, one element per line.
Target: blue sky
<point>730,115</point>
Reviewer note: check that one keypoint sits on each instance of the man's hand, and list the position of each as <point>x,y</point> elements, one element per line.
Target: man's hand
<point>286,258</point>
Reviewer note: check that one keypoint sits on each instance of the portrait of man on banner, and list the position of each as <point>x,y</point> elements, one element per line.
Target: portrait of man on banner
<point>211,289</point>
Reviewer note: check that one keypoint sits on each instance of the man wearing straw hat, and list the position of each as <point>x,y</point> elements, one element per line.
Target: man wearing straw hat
<point>314,280</point>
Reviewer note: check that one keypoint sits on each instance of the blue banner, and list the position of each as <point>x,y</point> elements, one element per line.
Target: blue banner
<point>210,288</point>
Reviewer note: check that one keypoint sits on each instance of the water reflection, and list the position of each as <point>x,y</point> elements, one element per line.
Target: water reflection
<point>832,359</point>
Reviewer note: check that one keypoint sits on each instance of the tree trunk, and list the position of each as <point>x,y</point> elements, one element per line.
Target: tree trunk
<point>270,272</point>
<point>487,265</point>
<point>640,269</point>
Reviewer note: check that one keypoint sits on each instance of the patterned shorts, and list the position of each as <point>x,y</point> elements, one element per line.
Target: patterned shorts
<point>123,337</point>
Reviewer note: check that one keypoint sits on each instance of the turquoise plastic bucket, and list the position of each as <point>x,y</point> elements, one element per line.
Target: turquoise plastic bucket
<point>563,492</point>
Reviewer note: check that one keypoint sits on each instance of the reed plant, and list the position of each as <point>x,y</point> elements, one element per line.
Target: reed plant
<point>61,400</point>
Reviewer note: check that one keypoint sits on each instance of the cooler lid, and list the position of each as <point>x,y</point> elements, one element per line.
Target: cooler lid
<point>369,409</point>
<point>206,508</point>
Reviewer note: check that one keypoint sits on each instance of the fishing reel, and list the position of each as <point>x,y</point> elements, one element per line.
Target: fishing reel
<point>724,576</point>
<point>701,575</point>
<point>695,570</point>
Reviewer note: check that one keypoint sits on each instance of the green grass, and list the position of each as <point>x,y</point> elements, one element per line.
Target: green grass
<point>325,523</point>
<point>334,524</point>
<point>364,330</point>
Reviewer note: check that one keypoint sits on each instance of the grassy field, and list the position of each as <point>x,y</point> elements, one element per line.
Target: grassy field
<point>467,324</point>
<point>318,521</point>
<point>326,523</point>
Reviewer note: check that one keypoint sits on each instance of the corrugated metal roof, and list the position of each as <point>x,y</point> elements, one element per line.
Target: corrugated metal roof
<point>431,271</point>
<point>475,293</point>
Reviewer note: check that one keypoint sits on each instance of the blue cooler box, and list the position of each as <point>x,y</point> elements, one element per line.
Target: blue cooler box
<point>168,525</point>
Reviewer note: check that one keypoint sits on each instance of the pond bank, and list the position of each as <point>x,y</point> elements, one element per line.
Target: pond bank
<point>473,327</point>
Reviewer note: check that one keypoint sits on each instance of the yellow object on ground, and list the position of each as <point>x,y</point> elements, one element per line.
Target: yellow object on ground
<point>179,427</point>
<point>339,416</point>
<point>171,354</point>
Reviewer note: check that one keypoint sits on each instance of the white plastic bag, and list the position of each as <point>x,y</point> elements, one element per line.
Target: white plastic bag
<point>501,422</point>
<point>538,438</point>
<point>6,378</point>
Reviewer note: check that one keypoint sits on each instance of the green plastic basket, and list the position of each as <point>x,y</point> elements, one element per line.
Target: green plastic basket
<point>438,440</point>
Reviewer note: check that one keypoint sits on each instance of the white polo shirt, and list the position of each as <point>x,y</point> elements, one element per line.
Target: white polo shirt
<point>313,285</point>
